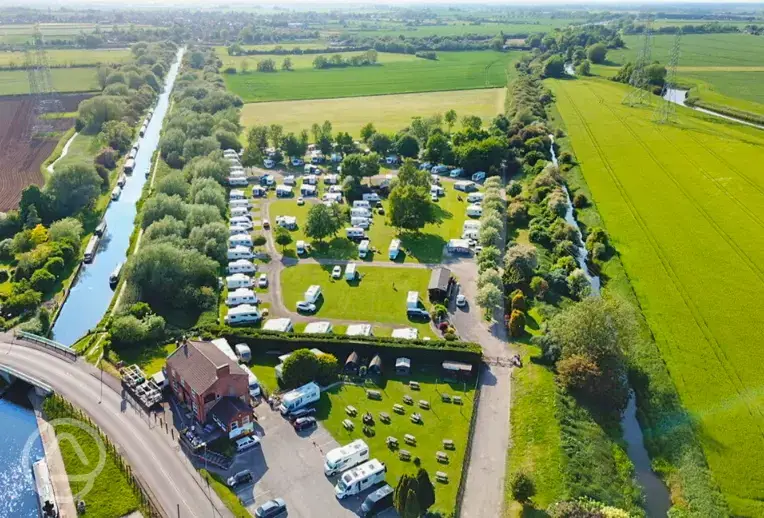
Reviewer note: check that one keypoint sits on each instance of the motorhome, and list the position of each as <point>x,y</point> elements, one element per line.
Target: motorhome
<point>242,266</point>
<point>360,212</point>
<point>312,294</point>
<point>239,203</point>
<point>394,249</point>
<point>363,248</point>
<point>360,222</point>
<point>288,222</point>
<point>239,280</point>
<point>259,192</point>
<point>360,478</point>
<point>413,307</point>
<point>474,211</point>
<point>243,314</point>
<point>437,190</point>
<point>346,457</point>
<point>471,229</point>
<point>91,249</point>
<point>237,194</point>
<point>362,204</point>
<point>268,163</point>
<point>284,191</point>
<point>116,193</point>
<point>240,252</point>
<point>371,197</point>
<point>242,221</point>
<point>238,181</point>
<point>308,190</point>
<point>355,233</point>
<point>241,296</point>
<point>236,229</point>
<point>351,272</point>
<point>290,180</point>
<point>239,211</point>
<point>299,398</point>
<point>254,383</point>
<point>475,197</point>
<point>243,352</point>
<point>240,240</point>
<point>129,166</point>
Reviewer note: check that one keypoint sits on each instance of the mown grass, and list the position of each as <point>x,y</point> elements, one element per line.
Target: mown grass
<point>70,57</point>
<point>452,71</point>
<point>694,210</point>
<point>442,421</point>
<point>15,82</point>
<point>229,498</point>
<point>389,113</point>
<point>82,149</point>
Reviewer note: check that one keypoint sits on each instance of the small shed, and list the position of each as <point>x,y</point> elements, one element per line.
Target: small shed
<point>439,284</point>
<point>403,366</point>
<point>375,367</point>
<point>351,364</point>
<point>456,370</point>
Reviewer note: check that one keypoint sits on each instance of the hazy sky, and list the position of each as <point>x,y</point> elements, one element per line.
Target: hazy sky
<point>231,3</point>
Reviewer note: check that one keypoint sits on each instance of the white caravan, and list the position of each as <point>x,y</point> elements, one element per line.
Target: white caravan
<point>346,457</point>
<point>299,397</point>
<point>359,479</point>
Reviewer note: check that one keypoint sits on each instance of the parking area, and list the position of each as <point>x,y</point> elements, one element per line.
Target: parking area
<point>289,465</point>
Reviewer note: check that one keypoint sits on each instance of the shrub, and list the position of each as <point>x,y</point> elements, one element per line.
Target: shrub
<point>259,240</point>
<point>540,287</point>
<point>55,265</point>
<point>598,251</point>
<point>42,280</point>
<point>516,323</point>
<point>518,302</point>
<point>580,201</point>
<point>449,336</point>
<point>514,188</point>
<point>522,487</point>
<point>565,158</point>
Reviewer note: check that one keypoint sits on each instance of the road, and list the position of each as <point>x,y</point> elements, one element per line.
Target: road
<point>154,456</point>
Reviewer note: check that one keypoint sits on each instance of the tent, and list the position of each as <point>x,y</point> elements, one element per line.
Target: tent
<point>351,364</point>
<point>375,367</point>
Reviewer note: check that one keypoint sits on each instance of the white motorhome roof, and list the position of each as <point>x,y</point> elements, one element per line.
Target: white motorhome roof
<point>238,277</point>
<point>300,391</point>
<point>244,309</point>
<point>345,451</point>
<point>236,192</point>
<point>277,324</point>
<point>359,330</point>
<point>406,333</point>
<point>318,328</point>
<point>240,262</point>
<point>241,292</point>
<point>362,471</point>
<point>412,297</point>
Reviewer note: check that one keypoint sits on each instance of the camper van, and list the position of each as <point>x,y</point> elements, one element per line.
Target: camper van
<point>362,204</point>
<point>355,233</point>
<point>91,249</point>
<point>242,221</point>
<point>237,194</point>
<point>243,353</point>
<point>299,398</point>
<point>242,266</point>
<point>360,222</point>
<point>377,501</point>
<point>346,457</point>
<point>238,280</point>
<point>238,181</point>
<point>240,252</point>
<point>240,240</point>
<point>371,197</point>
<point>363,248</point>
<point>394,250</point>
<point>359,479</point>
<point>312,294</point>
<point>474,211</point>
<point>116,193</point>
<point>243,314</point>
<point>241,296</point>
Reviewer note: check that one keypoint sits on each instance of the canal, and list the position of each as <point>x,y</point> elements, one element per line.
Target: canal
<point>90,294</point>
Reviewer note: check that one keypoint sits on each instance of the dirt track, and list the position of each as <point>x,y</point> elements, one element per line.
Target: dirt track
<point>20,155</point>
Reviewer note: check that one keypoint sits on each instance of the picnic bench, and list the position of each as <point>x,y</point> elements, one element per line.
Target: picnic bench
<point>445,398</point>
<point>391,442</point>
<point>457,400</point>
<point>424,404</point>
<point>348,424</point>
<point>441,456</point>
<point>409,439</point>
<point>414,385</point>
<point>416,418</point>
<point>398,409</point>
<point>440,476</point>
<point>351,411</point>
<point>404,455</point>
<point>374,394</point>
<point>448,444</point>
<point>408,400</point>
<point>384,417</point>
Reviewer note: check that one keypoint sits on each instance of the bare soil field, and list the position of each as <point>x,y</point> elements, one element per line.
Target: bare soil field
<point>22,153</point>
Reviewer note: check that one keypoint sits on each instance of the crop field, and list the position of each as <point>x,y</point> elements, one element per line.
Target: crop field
<point>21,157</point>
<point>452,29</point>
<point>22,33</point>
<point>304,61</point>
<point>402,74</point>
<point>741,90</point>
<point>69,57</point>
<point>16,82</point>
<point>389,113</point>
<point>723,50</point>
<point>684,206</point>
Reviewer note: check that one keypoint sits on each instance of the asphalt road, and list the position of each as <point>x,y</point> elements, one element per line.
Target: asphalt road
<point>154,457</point>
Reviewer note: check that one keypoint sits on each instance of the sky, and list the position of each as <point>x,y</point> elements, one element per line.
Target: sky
<point>345,3</point>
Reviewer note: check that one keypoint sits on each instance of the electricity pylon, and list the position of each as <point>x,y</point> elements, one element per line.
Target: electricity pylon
<point>639,81</point>
<point>665,112</point>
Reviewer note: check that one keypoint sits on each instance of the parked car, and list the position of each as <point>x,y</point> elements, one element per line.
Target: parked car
<point>248,442</point>
<point>461,301</point>
<point>456,173</point>
<point>242,477</point>
<point>337,272</point>
<point>298,162</point>
<point>304,423</point>
<point>306,307</point>
<point>302,412</point>
<point>275,507</point>
<point>262,281</point>
<point>433,197</point>
<point>266,224</point>
<point>300,201</point>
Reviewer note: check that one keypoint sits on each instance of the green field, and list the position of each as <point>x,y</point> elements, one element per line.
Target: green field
<point>22,33</point>
<point>687,223</point>
<point>740,90</point>
<point>395,73</point>
<point>16,82</point>
<point>68,58</point>
<point>389,113</point>
<point>442,421</point>
<point>453,28</point>
<point>698,50</point>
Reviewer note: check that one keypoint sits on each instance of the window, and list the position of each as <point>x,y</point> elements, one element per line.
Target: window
<point>234,425</point>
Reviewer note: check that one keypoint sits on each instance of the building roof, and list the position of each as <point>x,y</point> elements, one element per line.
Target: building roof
<point>227,407</point>
<point>200,363</point>
<point>439,279</point>
<point>457,366</point>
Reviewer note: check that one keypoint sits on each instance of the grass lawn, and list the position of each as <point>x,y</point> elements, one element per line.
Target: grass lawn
<point>395,73</point>
<point>15,82</point>
<point>442,421</point>
<point>740,90</point>
<point>696,197</point>
<point>263,366</point>
<point>379,295</point>
<point>70,57</point>
<point>425,247</point>
<point>82,149</point>
<point>150,359</point>
<point>111,494</point>
<point>389,113</point>
<point>229,498</point>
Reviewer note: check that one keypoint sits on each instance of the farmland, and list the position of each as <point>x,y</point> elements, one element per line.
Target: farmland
<point>16,82</point>
<point>69,57</point>
<point>722,50</point>
<point>22,33</point>
<point>688,228</point>
<point>742,90</point>
<point>389,113</point>
<point>455,28</point>
<point>402,74</point>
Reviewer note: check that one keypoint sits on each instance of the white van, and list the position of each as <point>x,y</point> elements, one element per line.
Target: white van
<point>236,194</point>
<point>239,211</point>
<point>363,248</point>
<point>475,197</point>
<point>242,221</point>
<point>361,204</point>
<point>242,266</point>
<point>394,249</point>
<point>371,197</point>
<point>238,280</point>
<point>299,397</point>
<point>355,232</point>
<point>240,240</point>
<point>313,293</point>
<point>241,296</point>
<point>360,478</point>
<point>244,314</point>
<point>243,353</point>
<point>346,457</point>
<point>474,211</point>
<point>360,222</point>
<point>240,252</point>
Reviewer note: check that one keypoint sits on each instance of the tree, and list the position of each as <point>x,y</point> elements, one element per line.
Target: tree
<point>409,174</point>
<point>438,149</point>
<point>410,207</point>
<point>67,229</point>
<point>294,146</point>
<point>405,484</point>
<point>94,112</point>
<point>425,490</point>
<point>266,65</point>
<point>516,323</point>
<point>367,131</point>
<point>489,237</point>
<point>196,60</point>
<point>345,143</point>
<point>521,259</point>
<point>490,277</point>
<point>173,184</point>
<point>73,188</point>
<point>554,66</point>
<point>322,222</point>
<point>584,68</point>
<point>578,284</point>
<point>199,215</point>
<point>578,373</point>
<point>360,166</point>
<point>522,487</point>
<point>275,134</point>
<point>283,237</point>
<point>472,122</point>
<point>597,53</point>
<point>42,280</point>
<point>199,147</point>
<point>171,147</point>
<point>257,137</point>
<point>481,155</point>
<point>167,227</point>
<point>380,143</point>
<point>161,205</point>
<point>118,135</point>
<point>327,369</point>
<point>210,239</point>
<point>411,509</point>
<point>300,368</point>
<point>407,146</point>
<point>214,167</point>
<point>227,139</point>
<point>450,119</point>
<point>489,297</point>
<point>32,219</point>
<point>489,254</point>
<point>287,64</point>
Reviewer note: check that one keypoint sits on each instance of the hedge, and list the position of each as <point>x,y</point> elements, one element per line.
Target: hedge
<point>428,351</point>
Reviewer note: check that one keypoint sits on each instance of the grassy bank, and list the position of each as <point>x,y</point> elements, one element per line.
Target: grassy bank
<point>228,497</point>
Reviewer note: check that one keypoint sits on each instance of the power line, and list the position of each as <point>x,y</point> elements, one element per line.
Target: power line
<point>665,112</point>
<point>638,80</point>
<point>44,97</point>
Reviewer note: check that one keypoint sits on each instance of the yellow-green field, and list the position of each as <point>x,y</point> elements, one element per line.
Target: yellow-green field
<point>302,61</point>
<point>389,113</point>
<point>68,58</point>
<point>16,82</point>
<point>684,206</point>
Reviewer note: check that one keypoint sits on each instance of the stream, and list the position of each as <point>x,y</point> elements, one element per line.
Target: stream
<point>91,294</point>
<point>657,499</point>
<point>677,96</point>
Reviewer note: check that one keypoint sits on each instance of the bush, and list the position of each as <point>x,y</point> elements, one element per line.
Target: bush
<point>516,323</point>
<point>514,188</point>
<point>42,280</point>
<point>540,287</point>
<point>55,265</point>
<point>580,201</point>
<point>259,240</point>
<point>518,301</point>
<point>522,487</point>
<point>565,158</point>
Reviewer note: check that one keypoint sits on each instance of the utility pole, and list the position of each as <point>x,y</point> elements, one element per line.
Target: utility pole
<point>666,110</point>
<point>639,81</point>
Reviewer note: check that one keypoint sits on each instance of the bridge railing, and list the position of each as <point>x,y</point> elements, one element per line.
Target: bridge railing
<point>47,344</point>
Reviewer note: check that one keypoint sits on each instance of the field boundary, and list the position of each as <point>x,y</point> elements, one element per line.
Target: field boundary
<point>486,87</point>
<point>470,438</point>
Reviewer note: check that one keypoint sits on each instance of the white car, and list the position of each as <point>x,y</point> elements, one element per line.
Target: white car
<point>337,272</point>
<point>306,307</point>
<point>262,281</point>
<point>461,301</point>
<point>433,197</point>
<point>247,442</point>
<point>300,201</point>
